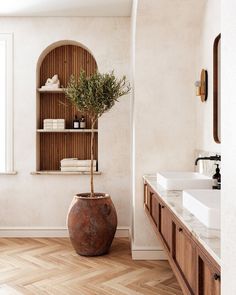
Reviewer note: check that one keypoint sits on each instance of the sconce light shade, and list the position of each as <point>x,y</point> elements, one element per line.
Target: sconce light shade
<point>198,88</point>
<point>202,86</point>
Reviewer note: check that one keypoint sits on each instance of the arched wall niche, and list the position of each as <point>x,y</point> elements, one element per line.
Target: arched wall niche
<point>64,58</point>
<point>58,44</point>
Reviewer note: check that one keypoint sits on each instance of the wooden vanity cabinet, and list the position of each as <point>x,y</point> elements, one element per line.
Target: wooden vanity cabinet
<point>196,271</point>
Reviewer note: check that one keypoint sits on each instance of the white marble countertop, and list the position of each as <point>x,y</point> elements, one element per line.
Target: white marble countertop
<point>209,238</point>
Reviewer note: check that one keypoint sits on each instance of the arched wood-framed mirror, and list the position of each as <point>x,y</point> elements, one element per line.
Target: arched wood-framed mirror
<point>217,89</point>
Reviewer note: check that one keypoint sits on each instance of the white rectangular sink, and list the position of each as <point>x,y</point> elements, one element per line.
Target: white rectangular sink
<point>183,180</point>
<point>205,205</point>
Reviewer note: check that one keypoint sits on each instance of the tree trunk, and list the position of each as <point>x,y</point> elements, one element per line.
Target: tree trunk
<point>92,156</point>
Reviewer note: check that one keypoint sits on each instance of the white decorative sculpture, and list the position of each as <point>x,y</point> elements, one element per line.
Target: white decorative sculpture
<point>52,83</point>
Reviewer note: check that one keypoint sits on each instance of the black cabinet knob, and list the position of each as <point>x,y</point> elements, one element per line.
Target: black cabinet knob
<point>180,229</point>
<point>162,207</point>
<point>216,277</point>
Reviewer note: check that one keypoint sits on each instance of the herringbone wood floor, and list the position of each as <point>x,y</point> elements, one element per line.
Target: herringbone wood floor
<point>50,266</point>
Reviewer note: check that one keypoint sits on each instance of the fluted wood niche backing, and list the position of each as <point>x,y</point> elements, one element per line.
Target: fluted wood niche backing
<point>64,60</point>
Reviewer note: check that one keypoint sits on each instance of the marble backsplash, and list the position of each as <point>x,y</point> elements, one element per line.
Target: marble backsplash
<point>206,167</point>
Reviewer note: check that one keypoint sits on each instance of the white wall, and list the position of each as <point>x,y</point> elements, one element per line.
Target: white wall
<point>228,204</point>
<point>132,122</point>
<point>164,111</point>
<point>42,201</point>
<point>210,28</point>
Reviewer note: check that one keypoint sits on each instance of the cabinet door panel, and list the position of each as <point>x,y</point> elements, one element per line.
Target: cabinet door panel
<point>185,257</point>
<point>208,278</point>
<point>155,209</point>
<point>147,197</point>
<point>165,225</point>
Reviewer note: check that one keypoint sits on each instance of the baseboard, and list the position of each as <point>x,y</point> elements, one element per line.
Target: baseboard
<point>47,232</point>
<point>149,255</point>
<point>142,252</point>
<point>33,232</point>
<point>122,232</point>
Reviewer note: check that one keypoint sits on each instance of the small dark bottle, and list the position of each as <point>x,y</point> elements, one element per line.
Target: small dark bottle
<point>217,178</point>
<point>82,123</point>
<point>76,123</point>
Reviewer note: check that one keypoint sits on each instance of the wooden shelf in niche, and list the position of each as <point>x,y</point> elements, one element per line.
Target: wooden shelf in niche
<point>59,90</point>
<point>66,130</point>
<point>54,145</point>
<point>58,172</point>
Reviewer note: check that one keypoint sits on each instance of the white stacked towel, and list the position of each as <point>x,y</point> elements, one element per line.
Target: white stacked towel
<point>55,124</point>
<point>75,165</point>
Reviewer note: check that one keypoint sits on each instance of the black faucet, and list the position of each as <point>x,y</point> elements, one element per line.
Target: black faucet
<point>211,158</point>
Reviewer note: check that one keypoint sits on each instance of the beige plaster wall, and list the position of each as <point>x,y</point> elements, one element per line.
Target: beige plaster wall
<point>228,203</point>
<point>164,101</point>
<point>210,27</point>
<point>42,201</point>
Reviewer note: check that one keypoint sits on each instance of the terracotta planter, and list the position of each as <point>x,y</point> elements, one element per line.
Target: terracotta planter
<point>92,224</point>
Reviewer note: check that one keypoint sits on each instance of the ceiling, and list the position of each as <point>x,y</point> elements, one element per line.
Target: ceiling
<point>65,7</point>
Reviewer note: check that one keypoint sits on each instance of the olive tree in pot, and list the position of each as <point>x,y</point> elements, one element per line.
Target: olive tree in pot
<point>92,218</point>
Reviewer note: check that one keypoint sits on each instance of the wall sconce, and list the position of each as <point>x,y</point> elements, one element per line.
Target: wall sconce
<point>201,86</point>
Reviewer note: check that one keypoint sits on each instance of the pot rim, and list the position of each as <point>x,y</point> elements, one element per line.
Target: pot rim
<point>86,196</point>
